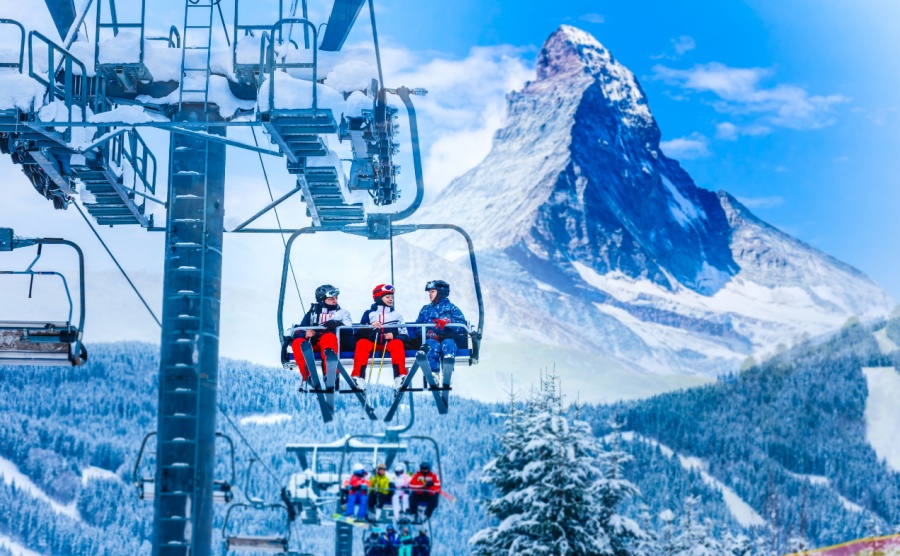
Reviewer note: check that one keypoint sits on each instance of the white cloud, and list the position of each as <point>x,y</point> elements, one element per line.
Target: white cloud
<point>593,18</point>
<point>680,45</point>
<point>728,131</point>
<point>693,146</point>
<point>762,202</point>
<point>740,91</point>
<point>683,44</point>
<point>457,120</point>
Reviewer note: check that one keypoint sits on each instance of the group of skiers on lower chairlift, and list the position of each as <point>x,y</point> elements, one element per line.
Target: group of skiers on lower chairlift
<point>407,494</point>
<point>389,543</point>
<point>383,332</point>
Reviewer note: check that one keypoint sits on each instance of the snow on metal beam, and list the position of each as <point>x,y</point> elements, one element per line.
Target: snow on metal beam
<point>343,16</point>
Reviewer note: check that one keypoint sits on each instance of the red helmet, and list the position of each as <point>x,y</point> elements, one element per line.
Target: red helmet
<point>381,290</point>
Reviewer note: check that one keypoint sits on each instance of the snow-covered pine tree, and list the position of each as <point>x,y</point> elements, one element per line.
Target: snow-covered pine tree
<point>649,544</point>
<point>551,488</point>
<point>696,538</point>
<point>737,544</point>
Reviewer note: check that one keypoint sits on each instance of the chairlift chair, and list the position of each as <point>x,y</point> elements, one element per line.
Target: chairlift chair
<point>56,343</point>
<point>223,490</point>
<point>324,387</point>
<point>273,544</point>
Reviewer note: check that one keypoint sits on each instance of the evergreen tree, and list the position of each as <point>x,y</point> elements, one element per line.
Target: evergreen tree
<point>553,495</point>
<point>696,537</point>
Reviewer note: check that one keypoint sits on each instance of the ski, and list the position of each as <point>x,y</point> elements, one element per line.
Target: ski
<point>350,520</point>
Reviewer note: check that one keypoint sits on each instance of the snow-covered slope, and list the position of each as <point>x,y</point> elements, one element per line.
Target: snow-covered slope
<point>592,241</point>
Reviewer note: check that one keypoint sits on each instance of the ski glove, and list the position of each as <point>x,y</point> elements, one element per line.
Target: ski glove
<point>332,325</point>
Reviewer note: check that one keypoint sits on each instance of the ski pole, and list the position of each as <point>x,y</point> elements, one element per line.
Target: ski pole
<point>371,361</point>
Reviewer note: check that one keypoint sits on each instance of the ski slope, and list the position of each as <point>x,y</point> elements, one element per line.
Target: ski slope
<point>11,475</point>
<point>881,414</point>
<point>16,548</point>
<point>740,509</point>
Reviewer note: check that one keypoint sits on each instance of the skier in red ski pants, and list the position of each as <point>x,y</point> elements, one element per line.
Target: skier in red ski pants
<point>325,312</point>
<point>385,337</point>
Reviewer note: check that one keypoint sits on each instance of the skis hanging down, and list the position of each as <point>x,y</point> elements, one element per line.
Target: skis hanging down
<point>325,404</point>
<point>334,363</point>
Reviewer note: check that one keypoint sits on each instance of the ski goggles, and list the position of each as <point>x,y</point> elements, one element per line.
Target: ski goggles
<point>383,289</point>
<point>332,292</point>
<point>432,285</point>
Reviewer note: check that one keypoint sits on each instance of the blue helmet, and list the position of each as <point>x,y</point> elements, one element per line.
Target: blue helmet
<point>443,288</point>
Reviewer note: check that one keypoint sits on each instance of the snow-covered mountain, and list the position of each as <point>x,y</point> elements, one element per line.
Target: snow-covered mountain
<point>593,243</point>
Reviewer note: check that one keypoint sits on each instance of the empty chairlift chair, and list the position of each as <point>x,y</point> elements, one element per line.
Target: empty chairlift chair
<point>41,342</point>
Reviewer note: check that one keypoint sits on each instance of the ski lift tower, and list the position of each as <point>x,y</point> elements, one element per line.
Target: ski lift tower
<point>77,153</point>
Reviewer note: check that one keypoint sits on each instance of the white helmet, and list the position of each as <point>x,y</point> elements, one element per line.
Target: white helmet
<point>357,467</point>
<point>399,468</point>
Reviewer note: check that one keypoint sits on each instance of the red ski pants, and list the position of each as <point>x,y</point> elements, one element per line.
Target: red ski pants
<point>326,341</point>
<point>364,349</point>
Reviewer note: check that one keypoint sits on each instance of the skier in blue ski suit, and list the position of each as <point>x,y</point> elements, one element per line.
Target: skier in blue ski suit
<point>442,340</point>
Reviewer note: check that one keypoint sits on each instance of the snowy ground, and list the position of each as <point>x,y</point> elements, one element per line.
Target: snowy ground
<point>97,473</point>
<point>882,415</point>
<point>885,344</point>
<point>12,475</point>
<point>826,482</point>
<point>740,510</point>
<point>267,419</point>
<point>16,548</point>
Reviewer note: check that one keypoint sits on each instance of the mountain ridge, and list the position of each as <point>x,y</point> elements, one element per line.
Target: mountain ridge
<point>582,218</point>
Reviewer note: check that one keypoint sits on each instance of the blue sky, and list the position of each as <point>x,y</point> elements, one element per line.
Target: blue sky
<point>791,106</point>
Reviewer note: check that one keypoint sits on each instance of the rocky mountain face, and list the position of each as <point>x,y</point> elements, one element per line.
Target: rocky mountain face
<point>590,237</point>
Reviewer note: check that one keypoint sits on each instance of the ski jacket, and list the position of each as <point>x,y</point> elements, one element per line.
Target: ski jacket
<point>385,315</point>
<point>406,540</point>
<point>401,482</point>
<point>319,315</point>
<point>391,539</point>
<point>422,546</point>
<point>358,483</point>
<point>425,483</point>
<point>380,483</point>
<point>440,314</point>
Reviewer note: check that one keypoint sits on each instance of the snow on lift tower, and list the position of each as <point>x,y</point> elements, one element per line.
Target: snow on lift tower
<point>56,343</point>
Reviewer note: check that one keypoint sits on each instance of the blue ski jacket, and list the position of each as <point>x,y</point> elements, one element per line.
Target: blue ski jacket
<point>440,314</point>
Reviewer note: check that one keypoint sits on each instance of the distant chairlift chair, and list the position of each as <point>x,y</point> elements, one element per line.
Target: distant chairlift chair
<point>55,343</point>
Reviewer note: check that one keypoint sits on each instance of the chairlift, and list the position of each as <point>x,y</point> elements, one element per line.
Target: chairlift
<point>56,343</point>
<point>319,484</point>
<point>324,386</point>
<point>273,544</point>
<point>223,490</point>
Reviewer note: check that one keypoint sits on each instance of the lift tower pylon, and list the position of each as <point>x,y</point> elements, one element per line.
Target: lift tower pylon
<point>190,342</point>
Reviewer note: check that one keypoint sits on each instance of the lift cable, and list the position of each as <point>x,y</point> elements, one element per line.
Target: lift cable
<point>113,257</point>
<point>253,452</point>
<point>221,409</point>
<point>375,40</point>
<point>277,218</point>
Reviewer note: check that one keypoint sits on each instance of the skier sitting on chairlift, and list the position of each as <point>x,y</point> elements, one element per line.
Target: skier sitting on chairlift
<point>442,340</point>
<point>406,543</point>
<point>421,544</point>
<point>324,312</point>
<point>380,490</point>
<point>425,487</point>
<point>380,340</point>
<point>357,492</point>
<point>400,500</point>
<point>390,540</point>
<point>374,545</point>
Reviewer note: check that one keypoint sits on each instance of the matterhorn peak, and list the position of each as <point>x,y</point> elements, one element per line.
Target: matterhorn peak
<point>570,54</point>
